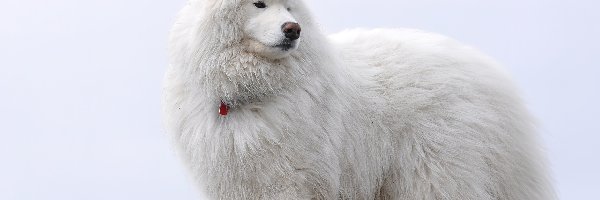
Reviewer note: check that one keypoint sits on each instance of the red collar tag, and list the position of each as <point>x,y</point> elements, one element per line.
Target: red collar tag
<point>224,109</point>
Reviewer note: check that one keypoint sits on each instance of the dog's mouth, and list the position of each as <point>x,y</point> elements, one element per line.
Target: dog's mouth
<point>286,45</point>
<point>277,50</point>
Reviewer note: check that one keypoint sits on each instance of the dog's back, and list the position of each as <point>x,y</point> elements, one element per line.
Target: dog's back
<point>458,128</point>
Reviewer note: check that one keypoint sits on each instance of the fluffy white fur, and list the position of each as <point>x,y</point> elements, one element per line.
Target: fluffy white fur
<point>365,114</point>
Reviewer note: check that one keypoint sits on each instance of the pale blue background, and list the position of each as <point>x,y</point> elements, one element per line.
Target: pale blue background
<point>80,85</point>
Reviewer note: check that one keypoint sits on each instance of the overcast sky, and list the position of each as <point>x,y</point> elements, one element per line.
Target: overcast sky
<point>80,85</point>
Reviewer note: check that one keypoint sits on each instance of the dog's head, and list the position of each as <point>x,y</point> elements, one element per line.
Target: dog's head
<point>268,28</point>
<point>271,29</point>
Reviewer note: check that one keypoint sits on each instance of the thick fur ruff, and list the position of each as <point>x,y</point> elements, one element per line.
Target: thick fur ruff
<point>365,114</point>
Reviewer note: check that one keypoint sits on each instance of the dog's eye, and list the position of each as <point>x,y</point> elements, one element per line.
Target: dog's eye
<point>289,9</point>
<point>260,4</point>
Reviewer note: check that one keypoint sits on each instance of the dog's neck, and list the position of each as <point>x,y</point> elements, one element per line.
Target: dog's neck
<point>236,77</point>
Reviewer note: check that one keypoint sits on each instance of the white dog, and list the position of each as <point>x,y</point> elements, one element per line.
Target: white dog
<point>263,106</point>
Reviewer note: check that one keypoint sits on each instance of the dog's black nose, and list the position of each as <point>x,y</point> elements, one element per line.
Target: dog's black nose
<point>291,30</point>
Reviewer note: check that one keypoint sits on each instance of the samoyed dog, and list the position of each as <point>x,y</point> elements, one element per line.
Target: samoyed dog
<point>264,106</point>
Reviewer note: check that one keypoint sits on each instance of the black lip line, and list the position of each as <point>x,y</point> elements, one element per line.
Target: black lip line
<point>285,45</point>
